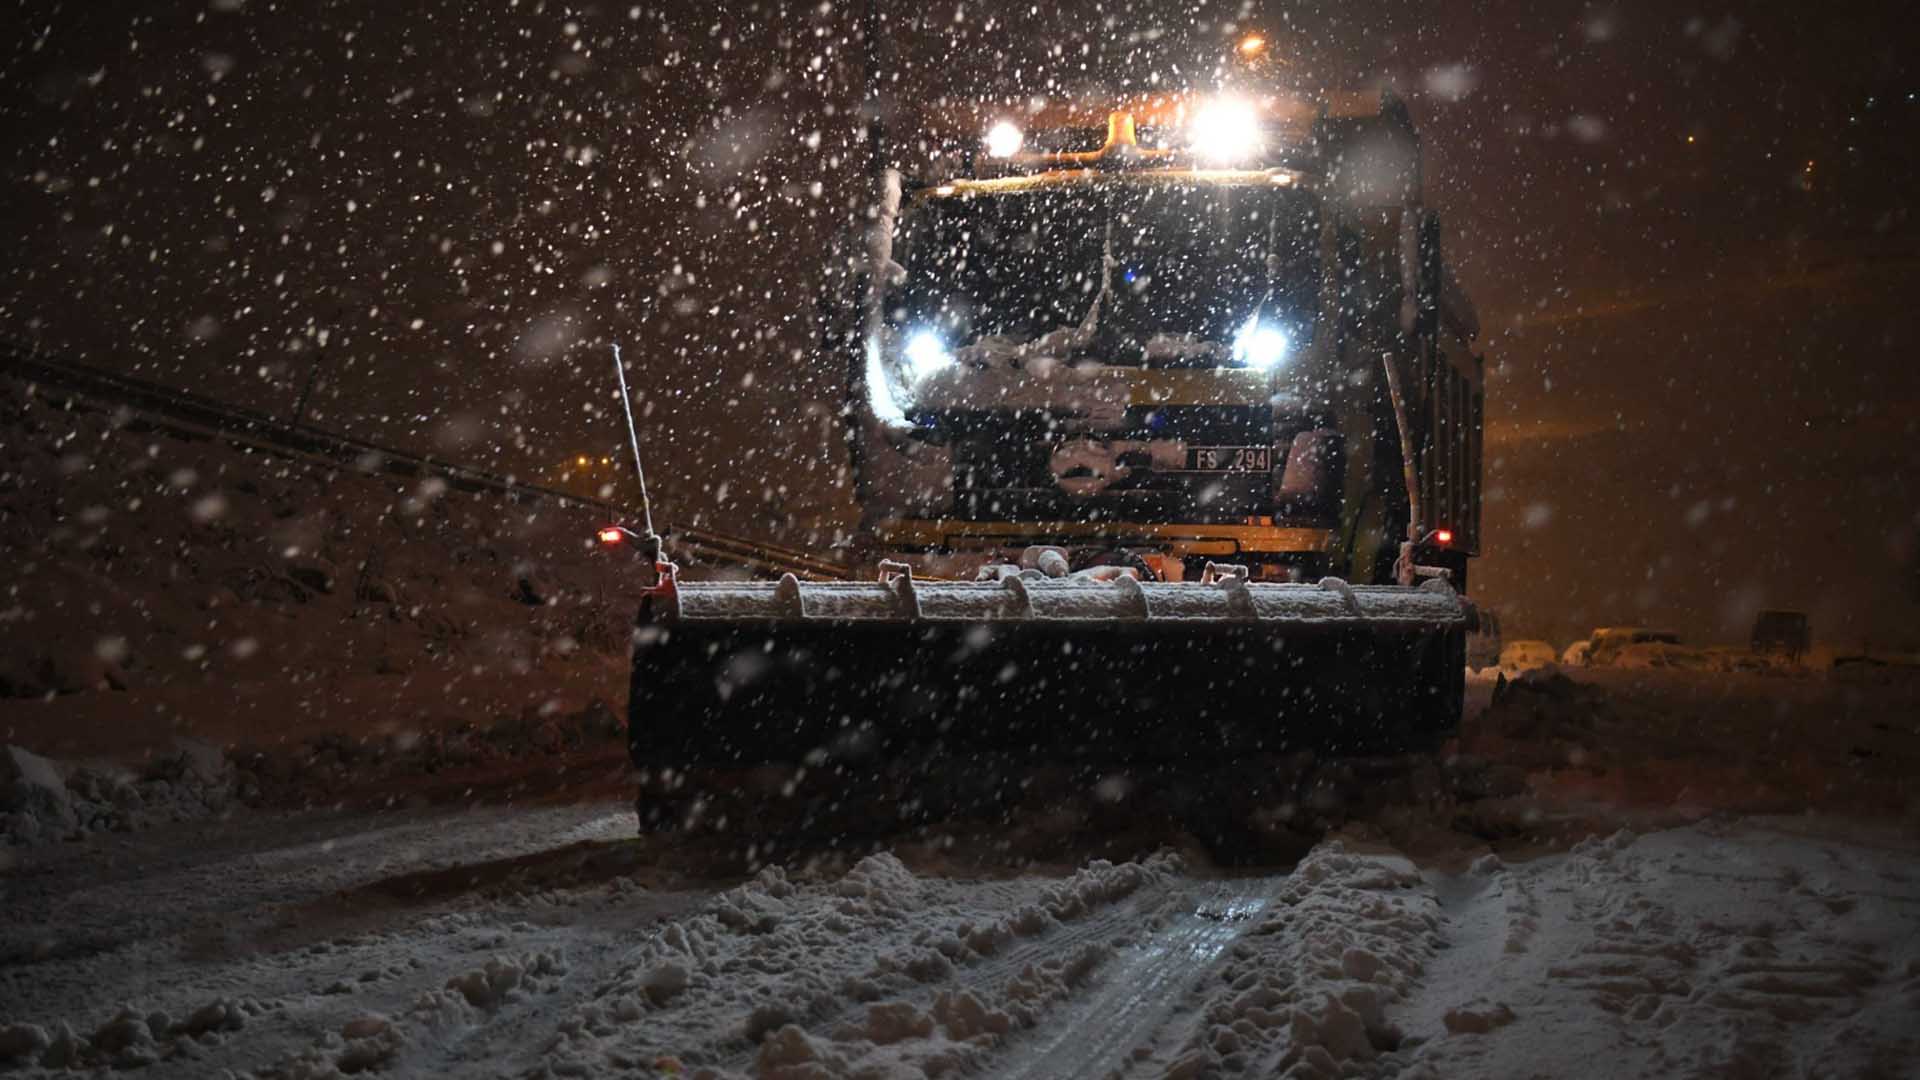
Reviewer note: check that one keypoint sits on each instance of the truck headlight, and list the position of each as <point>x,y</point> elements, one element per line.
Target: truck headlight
<point>925,354</point>
<point>1226,130</point>
<point>1004,140</point>
<point>1260,345</point>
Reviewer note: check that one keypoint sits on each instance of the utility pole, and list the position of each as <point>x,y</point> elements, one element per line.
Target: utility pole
<point>306,391</point>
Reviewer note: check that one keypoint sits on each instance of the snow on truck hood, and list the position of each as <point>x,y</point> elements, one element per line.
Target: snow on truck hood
<point>1099,391</point>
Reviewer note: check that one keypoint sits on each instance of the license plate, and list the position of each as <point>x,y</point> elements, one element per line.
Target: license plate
<point>1229,458</point>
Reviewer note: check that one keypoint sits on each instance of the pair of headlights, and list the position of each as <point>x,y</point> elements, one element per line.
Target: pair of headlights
<point>1260,345</point>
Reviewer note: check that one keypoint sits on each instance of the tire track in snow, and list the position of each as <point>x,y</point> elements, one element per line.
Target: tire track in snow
<point>827,975</point>
<point>1489,916</point>
<point>987,976</point>
<point>1138,991</point>
<point>1303,987</point>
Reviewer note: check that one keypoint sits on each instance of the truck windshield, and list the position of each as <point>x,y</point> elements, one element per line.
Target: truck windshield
<point>1190,265</point>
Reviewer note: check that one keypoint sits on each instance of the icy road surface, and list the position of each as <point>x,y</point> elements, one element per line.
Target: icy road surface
<point>545,942</point>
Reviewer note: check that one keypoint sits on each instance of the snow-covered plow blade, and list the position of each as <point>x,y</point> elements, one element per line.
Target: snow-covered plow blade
<point>817,673</point>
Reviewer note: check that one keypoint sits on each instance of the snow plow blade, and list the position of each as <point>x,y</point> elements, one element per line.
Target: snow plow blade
<point>750,674</point>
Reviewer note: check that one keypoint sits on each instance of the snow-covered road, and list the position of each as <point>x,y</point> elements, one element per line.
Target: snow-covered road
<point>545,941</point>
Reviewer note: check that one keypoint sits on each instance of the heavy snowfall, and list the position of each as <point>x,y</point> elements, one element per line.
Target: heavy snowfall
<point>324,537</point>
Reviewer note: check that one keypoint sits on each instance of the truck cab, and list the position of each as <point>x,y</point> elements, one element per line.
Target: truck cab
<point>1157,331</point>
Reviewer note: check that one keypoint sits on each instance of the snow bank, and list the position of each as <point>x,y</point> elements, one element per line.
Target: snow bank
<point>1668,655</point>
<point>1571,742</point>
<point>42,800</point>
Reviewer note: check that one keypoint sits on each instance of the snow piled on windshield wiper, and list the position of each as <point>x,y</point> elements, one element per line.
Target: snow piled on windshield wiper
<point>1001,348</point>
<point>1164,347</point>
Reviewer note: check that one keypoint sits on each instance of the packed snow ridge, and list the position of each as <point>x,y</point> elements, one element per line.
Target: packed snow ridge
<point>43,800</point>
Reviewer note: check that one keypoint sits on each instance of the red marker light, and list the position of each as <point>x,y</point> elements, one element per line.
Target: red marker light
<point>1443,536</point>
<point>612,534</point>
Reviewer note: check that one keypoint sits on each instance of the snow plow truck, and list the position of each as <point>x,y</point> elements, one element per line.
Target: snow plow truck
<point>1164,421</point>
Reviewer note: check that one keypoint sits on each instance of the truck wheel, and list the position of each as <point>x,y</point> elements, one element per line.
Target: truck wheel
<point>655,815</point>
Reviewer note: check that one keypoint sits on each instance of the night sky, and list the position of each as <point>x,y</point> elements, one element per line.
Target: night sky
<point>1689,231</point>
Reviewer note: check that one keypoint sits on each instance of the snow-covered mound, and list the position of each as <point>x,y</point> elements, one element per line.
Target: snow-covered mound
<point>1682,743</point>
<point>43,800</point>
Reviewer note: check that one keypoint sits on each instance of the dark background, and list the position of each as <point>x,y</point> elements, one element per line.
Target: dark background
<point>1689,232</point>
